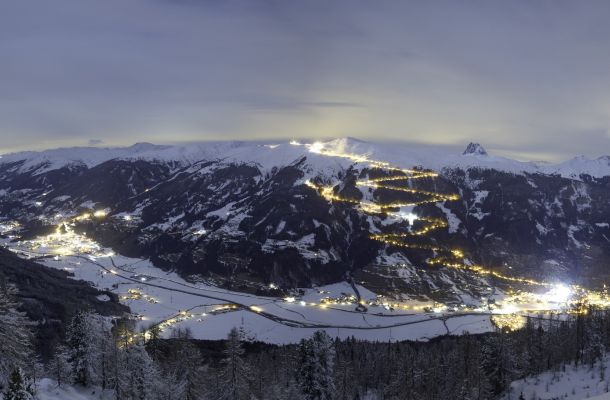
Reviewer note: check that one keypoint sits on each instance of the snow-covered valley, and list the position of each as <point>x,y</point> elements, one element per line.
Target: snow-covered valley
<point>158,297</point>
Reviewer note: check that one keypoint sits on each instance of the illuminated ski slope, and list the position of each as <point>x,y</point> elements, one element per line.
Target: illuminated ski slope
<point>397,179</point>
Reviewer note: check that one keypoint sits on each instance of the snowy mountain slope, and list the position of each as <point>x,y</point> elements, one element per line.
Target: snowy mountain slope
<point>577,166</point>
<point>281,154</point>
<point>407,156</point>
<point>250,214</point>
<point>475,156</point>
<point>569,383</point>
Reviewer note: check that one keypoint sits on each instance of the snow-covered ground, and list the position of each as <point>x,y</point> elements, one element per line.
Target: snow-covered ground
<point>159,297</point>
<point>570,383</point>
<point>47,389</point>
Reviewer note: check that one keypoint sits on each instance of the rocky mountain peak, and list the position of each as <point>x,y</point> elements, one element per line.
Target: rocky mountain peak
<point>475,148</point>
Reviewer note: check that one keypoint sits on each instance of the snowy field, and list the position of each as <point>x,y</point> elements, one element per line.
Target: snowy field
<point>158,297</point>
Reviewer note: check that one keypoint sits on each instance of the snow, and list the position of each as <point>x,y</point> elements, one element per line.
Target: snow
<point>571,230</point>
<point>575,383</point>
<point>267,156</point>
<point>304,245</point>
<point>280,227</point>
<point>222,212</point>
<point>103,297</point>
<point>542,230</point>
<point>47,389</point>
<point>452,219</point>
<point>597,167</point>
<point>164,296</point>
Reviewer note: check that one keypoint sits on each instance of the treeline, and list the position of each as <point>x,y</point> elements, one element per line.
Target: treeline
<point>105,354</point>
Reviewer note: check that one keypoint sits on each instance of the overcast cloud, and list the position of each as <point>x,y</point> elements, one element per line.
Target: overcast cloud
<point>526,79</point>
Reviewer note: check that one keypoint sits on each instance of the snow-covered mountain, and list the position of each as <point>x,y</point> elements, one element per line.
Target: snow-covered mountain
<point>248,214</point>
<point>281,154</point>
<point>475,148</point>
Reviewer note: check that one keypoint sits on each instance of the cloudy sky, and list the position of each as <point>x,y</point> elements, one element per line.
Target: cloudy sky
<point>528,79</point>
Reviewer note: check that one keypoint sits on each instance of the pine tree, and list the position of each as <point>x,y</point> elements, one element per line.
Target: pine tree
<point>593,347</point>
<point>15,335</point>
<point>535,348</point>
<point>139,378</point>
<point>83,349</point>
<point>187,370</point>
<point>494,360</point>
<point>172,387</point>
<point>316,363</point>
<point>91,350</point>
<point>59,367</point>
<point>181,371</point>
<point>19,387</point>
<point>344,378</point>
<point>235,374</point>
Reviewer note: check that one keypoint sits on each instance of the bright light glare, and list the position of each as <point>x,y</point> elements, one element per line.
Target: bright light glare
<point>507,309</point>
<point>409,217</point>
<point>316,147</point>
<point>560,293</point>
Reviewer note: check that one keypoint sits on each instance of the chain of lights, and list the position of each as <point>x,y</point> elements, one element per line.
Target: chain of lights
<point>508,315</point>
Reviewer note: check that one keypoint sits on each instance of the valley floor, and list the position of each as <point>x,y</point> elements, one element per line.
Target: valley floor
<point>158,297</point>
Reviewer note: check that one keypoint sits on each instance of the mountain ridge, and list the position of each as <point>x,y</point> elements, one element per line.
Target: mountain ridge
<point>285,153</point>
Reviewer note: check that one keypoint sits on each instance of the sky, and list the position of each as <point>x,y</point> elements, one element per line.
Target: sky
<point>527,79</point>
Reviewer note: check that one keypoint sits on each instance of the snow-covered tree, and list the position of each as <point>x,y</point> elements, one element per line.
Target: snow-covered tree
<point>172,387</point>
<point>593,349</point>
<point>89,344</point>
<point>235,374</point>
<point>19,387</point>
<point>344,380</point>
<point>59,367</point>
<point>139,378</point>
<point>83,349</point>
<point>107,354</point>
<point>316,363</point>
<point>189,379</point>
<point>15,335</point>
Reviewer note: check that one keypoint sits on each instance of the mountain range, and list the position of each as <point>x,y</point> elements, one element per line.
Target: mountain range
<point>266,217</point>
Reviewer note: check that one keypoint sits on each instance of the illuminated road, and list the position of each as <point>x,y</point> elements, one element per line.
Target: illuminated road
<point>257,308</point>
<point>398,179</point>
